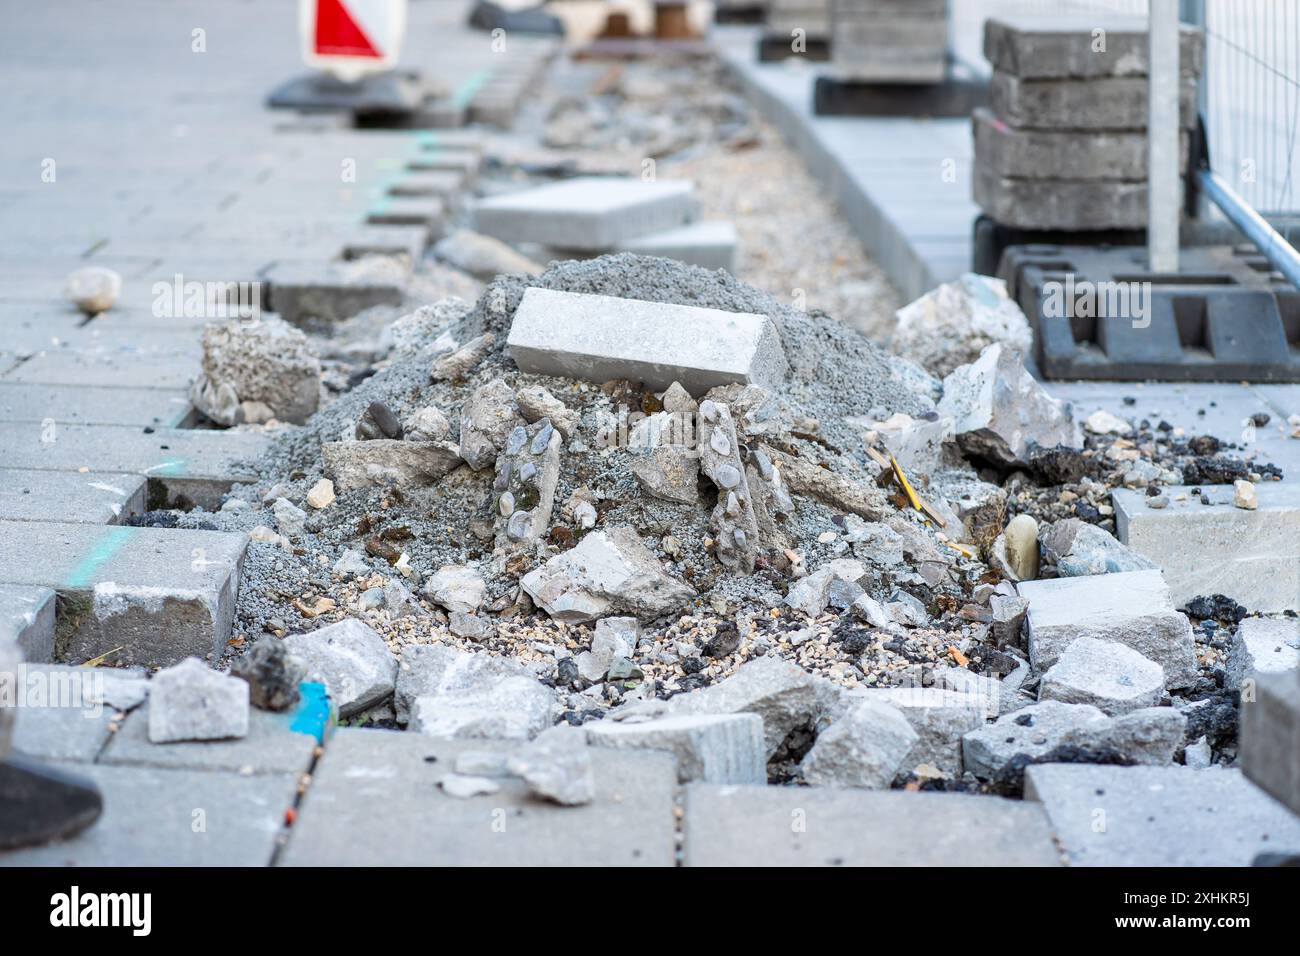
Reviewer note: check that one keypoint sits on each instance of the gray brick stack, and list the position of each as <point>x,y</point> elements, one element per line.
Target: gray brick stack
<point>811,16</point>
<point>889,41</point>
<point>1063,143</point>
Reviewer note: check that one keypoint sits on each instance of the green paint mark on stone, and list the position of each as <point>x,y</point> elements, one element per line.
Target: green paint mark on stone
<point>109,543</point>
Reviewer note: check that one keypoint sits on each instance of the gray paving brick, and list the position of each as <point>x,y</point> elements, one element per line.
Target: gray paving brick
<point>123,357</point>
<point>69,721</point>
<point>1252,557</point>
<point>822,826</point>
<point>155,817</point>
<point>198,465</point>
<point>306,292</point>
<point>271,747</point>
<point>93,405</point>
<point>427,211</point>
<point>27,617</point>
<point>151,596</point>
<point>710,245</point>
<point>92,497</point>
<point>386,241</point>
<point>629,823</point>
<point>598,338</point>
<point>591,212</point>
<point>446,184</point>
<point>1270,735</point>
<point>1160,816</point>
<point>1063,45</point>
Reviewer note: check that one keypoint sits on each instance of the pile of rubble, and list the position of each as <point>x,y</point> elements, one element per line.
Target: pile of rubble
<point>647,503</point>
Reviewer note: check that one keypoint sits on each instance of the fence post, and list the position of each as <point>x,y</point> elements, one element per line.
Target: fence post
<point>1163,199</point>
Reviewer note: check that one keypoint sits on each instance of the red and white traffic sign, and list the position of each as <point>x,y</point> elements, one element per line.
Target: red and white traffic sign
<point>350,38</point>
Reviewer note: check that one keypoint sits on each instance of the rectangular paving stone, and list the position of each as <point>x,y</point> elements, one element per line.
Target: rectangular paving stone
<point>1132,608</point>
<point>68,713</point>
<point>446,184</point>
<point>1101,103</point>
<point>1060,203</point>
<point>184,465</point>
<point>710,244</point>
<point>465,162</point>
<point>1270,735</point>
<point>1064,45</point>
<point>122,357</point>
<point>151,596</point>
<point>27,618</point>
<point>824,826</point>
<point>598,338</point>
<point>94,405</point>
<point>271,747</point>
<point>590,212</point>
<point>427,211</point>
<point>305,292</point>
<point>1252,557</point>
<point>410,241</point>
<point>1160,816</point>
<point>1073,155</point>
<point>91,497</point>
<point>156,817</point>
<point>629,823</point>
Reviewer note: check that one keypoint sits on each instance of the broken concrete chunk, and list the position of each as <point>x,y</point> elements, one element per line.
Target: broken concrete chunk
<point>866,500</point>
<point>456,588</point>
<point>486,420</point>
<point>608,572</point>
<point>272,673</point>
<point>426,424</point>
<point>1263,645</point>
<point>527,472</point>
<point>718,748</point>
<point>1130,607</point>
<point>864,748</point>
<point>597,338</point>
<point>265,361</point>
<point>456,365</point>
<point>385,461</point>
<point>446,692</point>
<point>1113,678</point>
<point>289,518</point>
<point>1079,548</point>
<point>669,472</point>
<point>786,696</point>
<point>1001,413</point>
<point>1150,736</point>
<point>811,593</point>
<point>615,637</point>
<point>916,443</point>
<point>351,660</point>
<point>951,324</point>
<point>557,767</point>
<point>939,717</point>
<point>1008,618</point>
<point>190,701</point>
<point>483,256</point>
<point>734,523</point>
<point>1032,731</point>
<point>536,403</point>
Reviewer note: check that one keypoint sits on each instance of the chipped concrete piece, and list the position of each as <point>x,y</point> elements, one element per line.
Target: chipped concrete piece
<point>386,461</point>
<point>1113,678</point>
<point>527,471</point>
<point>456,588</point>
<point>597,338</point>
<point>486,419</point>
<point>718,748</point>
<point>265,361</point>
<point>483,256</point>
<point>457,364</point>
<point>1031,731</point>
<point>951,325</point>
<point>447,692</point>
<point>1000,412</point>
<point>733,521</point>
<point>1149,736</point>
<point>709,245</point>
<point>1131,608</point>
<point>670,472</point>
<point>939,717</point>
<point>864,748</point>
<point>1263,645</point>
<point>535,403</point>
<point>190,701</point>
<point>351,660</point>
<point>1079,548</point>
<point>811,593</point>
<point>556,767</point>
<point>608,572</point>
<point>588,213</point>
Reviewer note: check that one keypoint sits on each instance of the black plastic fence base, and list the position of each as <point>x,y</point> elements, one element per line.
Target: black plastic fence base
<point>952,97</point>
<point>774,47</point>
<point>753,14</point>
<point>993,238</point>
<point>42,803</point>
<point>395,92</point>
<point>1099,313</point>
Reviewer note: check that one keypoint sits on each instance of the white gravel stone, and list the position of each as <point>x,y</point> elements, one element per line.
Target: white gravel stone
<point>456,587</point>
<point>352,661</point>
<point>1113,678</point>
<point>93,289</point>
<point>190,701</point>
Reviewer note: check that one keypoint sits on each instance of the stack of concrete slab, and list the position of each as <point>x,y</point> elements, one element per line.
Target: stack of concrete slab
<point>593,215</point>
<point>889,41</point>
<point>1063,145</point>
